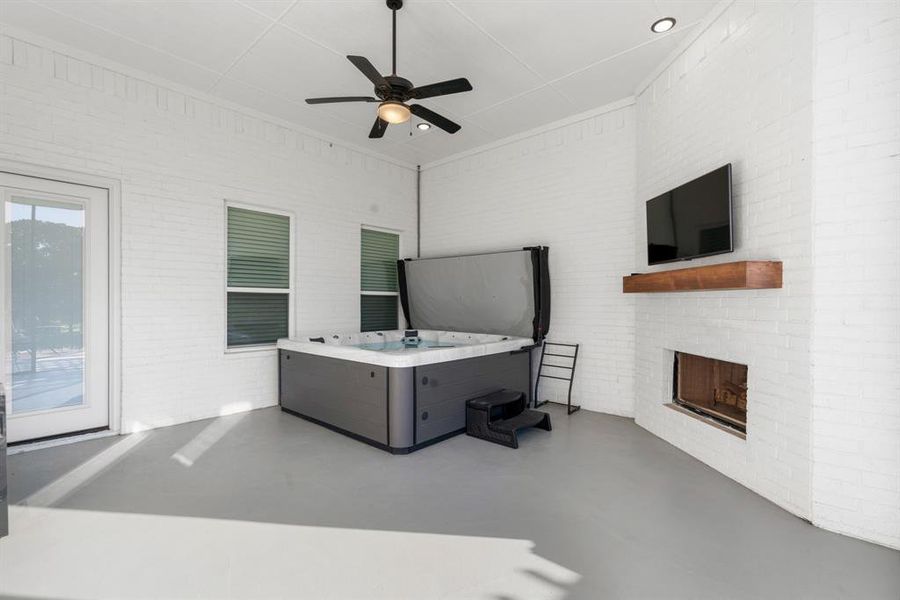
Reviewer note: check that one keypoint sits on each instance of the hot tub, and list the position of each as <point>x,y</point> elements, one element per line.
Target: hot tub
<point>403,396</point>
<point>397,397</point>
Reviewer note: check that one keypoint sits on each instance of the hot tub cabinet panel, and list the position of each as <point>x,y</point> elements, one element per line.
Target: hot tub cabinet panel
<point>347,395</point>
<point>442,389</point>
<point>398,409</point>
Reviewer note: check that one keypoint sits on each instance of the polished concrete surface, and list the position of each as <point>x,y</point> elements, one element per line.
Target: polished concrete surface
<point>264,504</point>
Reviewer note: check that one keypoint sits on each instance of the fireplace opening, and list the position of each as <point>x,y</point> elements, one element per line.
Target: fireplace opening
<point>713,388</point>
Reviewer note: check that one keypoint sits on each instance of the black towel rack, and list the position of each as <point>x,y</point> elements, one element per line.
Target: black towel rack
<point>570,368</point>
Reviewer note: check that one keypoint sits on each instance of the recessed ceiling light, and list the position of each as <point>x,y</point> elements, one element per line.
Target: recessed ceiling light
<point>663,25</point>
<point>423,126</point>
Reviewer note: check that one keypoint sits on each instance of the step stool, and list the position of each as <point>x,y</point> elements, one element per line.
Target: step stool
<point>498,417</point>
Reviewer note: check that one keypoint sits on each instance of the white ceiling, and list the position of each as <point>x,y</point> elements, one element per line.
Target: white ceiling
<point>531,62</point>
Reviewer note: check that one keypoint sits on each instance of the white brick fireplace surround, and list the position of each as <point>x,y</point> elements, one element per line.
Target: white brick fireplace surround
<point>801,97</point>
<point>740,93</point>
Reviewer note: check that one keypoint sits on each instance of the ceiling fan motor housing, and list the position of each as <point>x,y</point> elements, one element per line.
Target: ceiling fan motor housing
<point>398,90</point>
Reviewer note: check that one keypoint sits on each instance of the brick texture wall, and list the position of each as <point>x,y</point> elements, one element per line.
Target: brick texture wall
<point>856,340</point>
<point>802,98</point>
<point>740,93</point>
<point>570,188</point>
<point>179,156</point>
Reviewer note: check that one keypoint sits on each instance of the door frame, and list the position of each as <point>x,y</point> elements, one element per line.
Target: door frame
<point>113,187</point>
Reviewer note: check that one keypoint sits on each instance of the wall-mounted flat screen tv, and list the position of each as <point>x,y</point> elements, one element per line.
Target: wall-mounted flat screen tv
<point>692,220</point>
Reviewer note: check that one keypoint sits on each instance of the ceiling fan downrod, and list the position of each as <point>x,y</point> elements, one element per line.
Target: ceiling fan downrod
<point>394,5</point>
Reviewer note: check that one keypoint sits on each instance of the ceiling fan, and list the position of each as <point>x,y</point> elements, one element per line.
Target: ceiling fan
<point>393,92</point>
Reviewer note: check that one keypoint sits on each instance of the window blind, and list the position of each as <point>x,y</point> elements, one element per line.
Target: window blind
<point>380,251</point>
<point>258,277</point>
<point>256,318</point>
<point>378,313</point>
<point>259,247</point>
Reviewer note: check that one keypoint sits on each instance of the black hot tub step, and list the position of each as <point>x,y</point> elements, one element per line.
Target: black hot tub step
<point>528,418</point>
<point>498,417</point>
<point>504,399</point>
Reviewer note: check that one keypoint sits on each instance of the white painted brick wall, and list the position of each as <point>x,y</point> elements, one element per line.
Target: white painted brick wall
<point>739,93</point>
<point>572,189</point>
<point>179,156</point>
<point>856,338</point>
<point>803,98</point>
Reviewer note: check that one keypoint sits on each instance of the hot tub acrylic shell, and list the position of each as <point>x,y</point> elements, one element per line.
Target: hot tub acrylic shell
<point>454,345</point>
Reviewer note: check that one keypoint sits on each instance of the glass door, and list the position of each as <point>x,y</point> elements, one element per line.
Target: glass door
<point>56,307</point>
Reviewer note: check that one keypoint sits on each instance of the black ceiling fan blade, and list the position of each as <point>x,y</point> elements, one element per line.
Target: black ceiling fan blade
<point>341,99</point>
<point>434,118</point>
<point>378,128</point>
<point>443,88</point>
<point>368,69</point>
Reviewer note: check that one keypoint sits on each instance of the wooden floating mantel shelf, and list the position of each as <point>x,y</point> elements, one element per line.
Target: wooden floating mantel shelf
<point>743,275</point>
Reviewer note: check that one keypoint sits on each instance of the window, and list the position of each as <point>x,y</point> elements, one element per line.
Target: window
<point>379,253</point>
<point>259,277</point>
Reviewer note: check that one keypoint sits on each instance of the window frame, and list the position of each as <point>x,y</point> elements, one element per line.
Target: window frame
<point>401,319</point>
<point>251,290</point>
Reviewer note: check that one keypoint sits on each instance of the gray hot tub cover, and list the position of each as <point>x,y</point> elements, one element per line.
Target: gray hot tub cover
<point>505,293</point>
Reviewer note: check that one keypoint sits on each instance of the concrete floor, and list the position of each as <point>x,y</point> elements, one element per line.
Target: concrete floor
<point>267,505</point>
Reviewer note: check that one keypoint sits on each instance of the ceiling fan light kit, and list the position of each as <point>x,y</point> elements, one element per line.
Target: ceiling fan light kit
<point>393,92</point>
<point>393,112</point>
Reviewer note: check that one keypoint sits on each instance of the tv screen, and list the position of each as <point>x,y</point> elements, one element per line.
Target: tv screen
<point>691,220</point>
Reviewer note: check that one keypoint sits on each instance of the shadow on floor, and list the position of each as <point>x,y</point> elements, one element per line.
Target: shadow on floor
<point>612,510</point>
